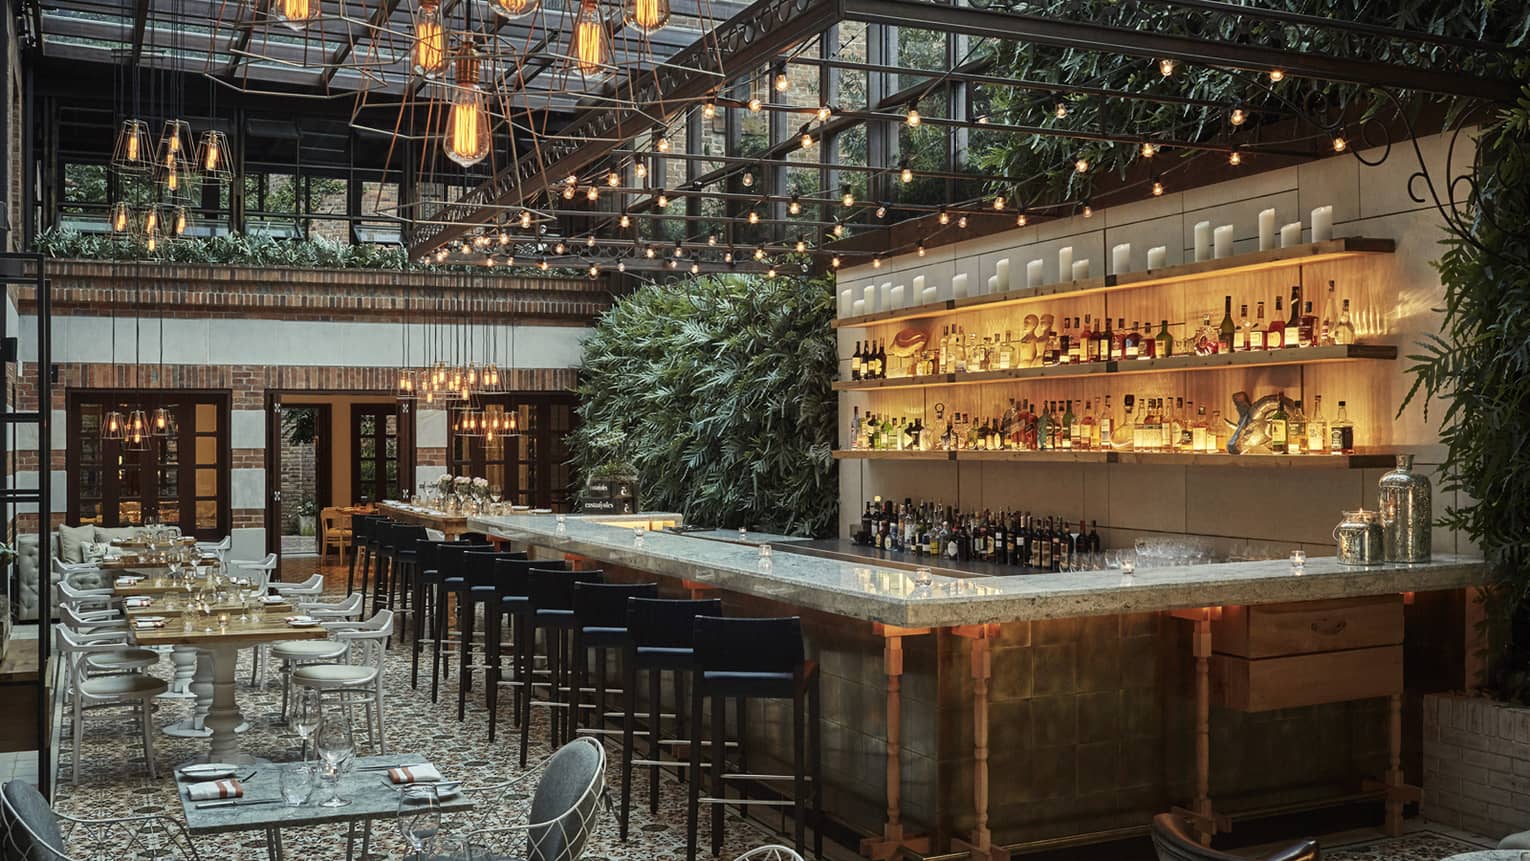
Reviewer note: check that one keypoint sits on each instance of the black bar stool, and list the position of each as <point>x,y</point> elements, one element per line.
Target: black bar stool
<point>749,659</point>
<point>400,555</point>
<point>550,609</point>
<point>478,588</point>
<point>423,586</point>
<point>448,581</point>
<point>514,603</point>
<point>361,525</point>
<point>601,613</point>
<point>371,571</point>
<point>660,637</point>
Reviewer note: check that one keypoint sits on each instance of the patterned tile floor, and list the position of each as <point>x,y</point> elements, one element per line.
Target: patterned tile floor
<point>113,781</point>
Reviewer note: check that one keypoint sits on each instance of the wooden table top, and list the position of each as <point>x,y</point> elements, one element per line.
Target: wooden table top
<point>150,586</point>
<point>269,629</point>
<point>159,608</point>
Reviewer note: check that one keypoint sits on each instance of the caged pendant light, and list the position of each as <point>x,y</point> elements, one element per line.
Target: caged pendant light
<point>214,160</point>
<point>646,16</point>
<point>297,14</point>
<point>133,153</point>
<point>428,55</point>
<point>136,436</point>
<point>513,9</point>
<point>590,44</point>
<point>468,133</point>
<point>176,157</point>
<point>114,425</point>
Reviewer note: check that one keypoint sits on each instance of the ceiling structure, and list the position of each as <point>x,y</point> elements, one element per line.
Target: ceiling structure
<point>739,135</point>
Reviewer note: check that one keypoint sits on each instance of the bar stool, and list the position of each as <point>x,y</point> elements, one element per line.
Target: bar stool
<point>360,525</point>
<point>660,636</point>
<point>423,587</point>
<point>449,581</point>
<point>478,589</point>
<point>754,659</point>
<point>550,609</point>
<point>398,557</point>
<point>601,613</point>
<point>369,545</point>
<point>514,603</point>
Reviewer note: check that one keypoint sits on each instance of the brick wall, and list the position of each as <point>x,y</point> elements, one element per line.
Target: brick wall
<point>298,480</point>
<point>1476,764</point>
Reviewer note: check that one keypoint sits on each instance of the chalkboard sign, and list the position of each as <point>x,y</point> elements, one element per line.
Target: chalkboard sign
<point>609,496</point>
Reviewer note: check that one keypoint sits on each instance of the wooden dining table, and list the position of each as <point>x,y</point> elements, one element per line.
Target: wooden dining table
<point>451,525</point>
<point>218,644</point>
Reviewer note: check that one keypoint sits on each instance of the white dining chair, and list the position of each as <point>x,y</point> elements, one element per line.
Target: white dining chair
<point>92,621</point>
<point>88,691</point>
<point>313,587</point>
<point>82,600</point>
<point>258,572</point>
<point>360,676</point>
<point>347,608</point>
<point>217,548</point>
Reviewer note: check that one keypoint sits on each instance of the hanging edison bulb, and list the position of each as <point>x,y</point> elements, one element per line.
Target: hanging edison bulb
<point>122,217</point>
<point>137,431</point>
<point>647,16</point>
<point>133,153</point>
<point>176,157</point>
<point>114,425</point>
<point>590,44</point>
<point>162,423</point>
<point>213,158</point>
<point>176,220</point>
<point>406,389</point>
<point>467,122</point>
<point>513,8</point>
<point>428,55</point>
<point>297,14</point>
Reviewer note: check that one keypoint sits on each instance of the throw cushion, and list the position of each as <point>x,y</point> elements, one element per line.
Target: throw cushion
<point>95,551</point>
<point>72,541</point>
<point>106,535</point>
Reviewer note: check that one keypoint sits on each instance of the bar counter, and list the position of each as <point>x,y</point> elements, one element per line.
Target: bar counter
<point>998,713</point>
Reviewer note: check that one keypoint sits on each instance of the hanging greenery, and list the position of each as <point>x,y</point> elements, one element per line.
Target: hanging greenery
<point>1478,369</point>
<point>716,391</point>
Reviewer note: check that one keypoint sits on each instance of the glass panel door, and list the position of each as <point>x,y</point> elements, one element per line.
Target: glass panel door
<point>375,448</point>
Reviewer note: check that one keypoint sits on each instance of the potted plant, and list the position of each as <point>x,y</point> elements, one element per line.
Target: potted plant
<point>306,511</point>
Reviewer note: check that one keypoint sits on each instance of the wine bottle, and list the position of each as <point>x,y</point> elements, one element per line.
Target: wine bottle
<point>1226,331</point>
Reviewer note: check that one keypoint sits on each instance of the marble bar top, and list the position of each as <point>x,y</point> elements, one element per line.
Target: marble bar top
<point>869,592</point>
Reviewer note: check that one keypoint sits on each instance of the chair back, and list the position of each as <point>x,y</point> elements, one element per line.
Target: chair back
<point>749,645</point>
<point>366,644</point>
<point>428,554</point>
<point>345,608</point>
<point>668,623</point>
<point>510,574</point>
<point>329,518</point>
<point>31,828</point>
<point>770,852</point>
<point>479,566</point>
<point>450,557</point>
<point>553,588</point>
<point>1173,842</point>
<point>406,536</point>
<point>566,802</point>
<point>604,605</point>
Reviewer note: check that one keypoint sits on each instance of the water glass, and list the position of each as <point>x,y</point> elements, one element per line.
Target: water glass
<point>305,720</point>
<point>637,535</point>
<point>560,530</point>
<point>1128,570</point>
<point>297,783</point>
<point>419,817</point>
<point>922,576</point>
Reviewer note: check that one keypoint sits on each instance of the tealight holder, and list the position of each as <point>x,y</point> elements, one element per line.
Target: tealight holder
<point>767,558</point>
<point>560,527</point>
<point>1298,562</point>
<point>637,536</point>
<point>923,577</point>
<point>1128,572</point>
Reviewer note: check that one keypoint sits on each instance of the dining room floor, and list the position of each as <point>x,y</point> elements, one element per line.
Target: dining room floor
<point>113,783</point>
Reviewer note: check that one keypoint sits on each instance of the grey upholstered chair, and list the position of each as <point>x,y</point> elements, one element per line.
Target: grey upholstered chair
<point>1516,842</point>
<point>31,831</point>
<point>1174,842</point>
<point>569,798</point>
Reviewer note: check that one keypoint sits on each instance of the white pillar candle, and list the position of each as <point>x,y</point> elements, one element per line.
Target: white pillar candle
<point>1202,241</point>
<point>1291,235</point>
<point>1121,258</point>
<point>1035,273</point>
<point>1001,274</point>
<point>1158,257</point>
<point>1322,224</point>
<point>899,295</point>
<point>959,285</point>
<point>993,284</point>
<point>1064,262</point>
<point>918,287</point>
<point>1224,241</point>
<point>928,295</point>
<point>846,302</point>
<point>1266,229</point>
<point>1080,270</point>
<point>884,297</point>
<point>869,298</point>
<point>858,307</point>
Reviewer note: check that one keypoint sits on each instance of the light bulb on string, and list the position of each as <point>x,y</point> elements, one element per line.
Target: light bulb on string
<point>661,142</point>
<point>1021,220</point>
<point>961,221</point>
<point>759,252</point>
<point>122,217</point>
<point>839,228</point>
<point>754,216</point>
<point>626,220</point>
<point>998,203</point>
<point>943,216</point>
<point>1235,157</point>
<point>1339,142</point>
<point>846,196</point>
<point>1166,66</point>
<point>747,179</point>
<point>1148,149</point>
<point>709,109</point>
<point>905,173</point>
<point>1060,109</point>
<point>920,249</point>
<point>663,200</point>
<point>806,139</point>
<point>568,192</point>
<point>1277,75</point>
<point>824,112</point>
<point>133,153</point>
<point>881,210</point>
<point>834,261</point>
<point>592,194</point>
<point>213,157</point>
<point>801,244</point>
<point>795,205</point>
<point>640,169</point>
<point>1081,165</point>
<point>755,105</point>
<point>613,179</point>
<point>525,219</point>
<point>1157,188</point>
<point>912,117</point>
<point>876,262</point>
<point>1237,116</point>
<point>782,83</point>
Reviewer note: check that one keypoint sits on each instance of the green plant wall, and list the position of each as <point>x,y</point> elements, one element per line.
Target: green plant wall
<point>716,390</point>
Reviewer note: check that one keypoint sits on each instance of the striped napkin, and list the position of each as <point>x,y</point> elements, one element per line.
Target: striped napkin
<point>137,601</point>
<point>208,790</point>
<point>423,773</point>
<point>144,623</point>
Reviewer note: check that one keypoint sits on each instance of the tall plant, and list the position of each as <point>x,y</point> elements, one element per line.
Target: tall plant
<point>1478,367</point>
<point>717,390</point>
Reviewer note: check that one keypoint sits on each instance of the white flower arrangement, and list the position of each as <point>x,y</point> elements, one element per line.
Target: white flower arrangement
<point>444,482</point>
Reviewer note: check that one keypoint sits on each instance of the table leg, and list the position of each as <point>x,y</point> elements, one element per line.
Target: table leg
<point>185,660</point>
<point>1394,778</point>
<point>201,688</point>
<point>223,716</point>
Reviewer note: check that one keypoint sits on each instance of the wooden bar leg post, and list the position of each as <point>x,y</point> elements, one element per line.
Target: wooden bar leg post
<point>1202,818</point>
<point>892,838</point>
<point>1394,780</point>
<point>980,846</point>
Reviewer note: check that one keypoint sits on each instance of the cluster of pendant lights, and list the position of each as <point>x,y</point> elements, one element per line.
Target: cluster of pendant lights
<point>458,388</point>
<point>177,163</point>
<point>135,428</point>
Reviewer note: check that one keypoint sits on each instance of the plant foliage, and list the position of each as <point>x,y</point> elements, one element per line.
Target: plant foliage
<point>716,390</point>
<point>1478,368</point>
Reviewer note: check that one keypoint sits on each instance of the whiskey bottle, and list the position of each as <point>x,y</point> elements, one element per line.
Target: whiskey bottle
<point>1089,430</point>
<point>1205,342</point>
<point>1146,348</point>
<point>1344,331</point>
<point>1070,428</point>
<point>1164,342</point>
<point>855,429</point>
<point>1275,335</point>
<point>1102,341</point>
<point>1291,336</point>
<point>1125,433</point>
<point>1327,335</point>
<point>1107,424</point>
<point>1007,352</point>
<point>1131,343</point>
<point>1227,330</point>
<point>1179,433</point>
<point>1118,340</point>
<point>1296,429</point>
<point>1240,335</point>
<point>1256,334</point>
<point>1341,434</point>
<point>1090,350</point>
<point>1076,343</point>
<point>1199,431</point>
<point>882,360</point>
<point>1278,426</point>
<point>1308,331</point>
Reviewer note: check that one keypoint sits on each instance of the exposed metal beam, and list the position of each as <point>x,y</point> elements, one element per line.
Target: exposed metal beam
<point>380,17</point>
<point>1088,36</point>
<point>140,23</point>
<point>241,40</point>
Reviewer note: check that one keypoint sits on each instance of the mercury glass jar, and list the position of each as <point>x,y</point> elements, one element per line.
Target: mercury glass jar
<point>1358,537</point>
<point>1406,502</point>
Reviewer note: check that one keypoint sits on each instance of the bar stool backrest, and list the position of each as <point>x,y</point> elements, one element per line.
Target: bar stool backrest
<point>553,589</point>
<point>449,557</point>
<point>427,554</point>
<point>749,645</point>
<point>405,536</point>
<point>604,605</point>
<point>478,565</point>
<point>668,623</point>
<point>361,527</point>
<point>510,574</point>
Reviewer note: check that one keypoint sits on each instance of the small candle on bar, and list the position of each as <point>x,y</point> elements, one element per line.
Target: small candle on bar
<point>858,307</point>
<point>1322,224</point>
<point>1035,273</point>
<point>1064,261</point>
<point>1121,258</point>
<point>1224,241</point>
<point>918,287</point>
<point>928,295</point>
<point>1080,270</point>
<point>1158,257</point>
<point>1266,229</point>
<point>1202,241</point>
<point>1291,235</point>
<point>1001,274</point>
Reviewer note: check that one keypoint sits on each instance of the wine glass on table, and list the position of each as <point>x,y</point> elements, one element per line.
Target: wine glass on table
<point>336,749</point>
<point>305,718</point>
<point>419,817</point>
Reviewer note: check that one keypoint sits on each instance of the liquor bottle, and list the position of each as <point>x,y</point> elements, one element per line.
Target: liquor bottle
<point>1007,352</point>
<point>1317,428</point>
<point>959,352</point>
<point>855,362</point>
<point>1256,334</point>
<point>1076,344</point>
<point>1131,344</point>
<point>1291,336</point>
<point>1107,423</point>
<point>1089,430</point>
<point>1341,434</point>
<point>1070,428</point>
<point>1125,433</point>
<point>1240,335</point>
<point>1214,432</point>
<point>1327,335</point>
<point>1275,336</point>
<point>1344,331</point>
<point>1199,431</point>
<point>1163,346</point>
<point>1146,348</point>
<point>1205,338</point>
<point>1044,429</point>
<point>1146,433</point>
<point>1308,330</point>
<point>855,428</point>
<point>1118,340</point>
<point>1065,343</point>
<point>882,360</point>
<point>1296,429</point>
<point>943,353</point>
<point>1226,330</point>
<point>1278,426</point>
<point>1102,342</point>
<point>1090,347</point>
<point>1176,424</point>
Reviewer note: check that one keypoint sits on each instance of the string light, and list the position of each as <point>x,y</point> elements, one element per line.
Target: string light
<point>589,241</point>
<point>759,252</point>
<point>1237,116</point>
<point>592,194</point>
<point>1088,210</point>
<point>1277,75</point>
<point>839,227</point>
<point>542,264</point>
<point>920,249</point>
<point>728,255</point>
<point>961,222</point>
<point>1235,157</point>
<point>876,262</point>
<point>679,250</point>
<point>782,82</point>
<point>613,179</point>
<point>649,252</point>
<point>906,173</point>
<point>709,110</point>
<point>747,179</point>
<point>695,267</point>
<point>626,220</point>
<point>640,170</point>
<point>755,104</point>
<point>846,196</point>
<point>663,200</point>
<point>1060,109</point>
<point>998,203</point>
<point>1081,165</point>
<point>621,266</point>
<point>801,244</point>
<point>1166,66</point>
<point>1157,188</point>
<point>568,192</point>
<point>943,217</point>
<point>912,117</point>
<point>807,138</point>
<point>1339,143</point>
<point>712,239</point>
<point>795,206</point>
<point>661,143</point>
<point>824,112</point>
<point>771,272</point>
<point>881,210</point>
<point>754,216</point>
<point>559,248</point>
<point>1021,220</point>
<point>594,270</point>
<point>1149,149</point>
<point>835,261</point>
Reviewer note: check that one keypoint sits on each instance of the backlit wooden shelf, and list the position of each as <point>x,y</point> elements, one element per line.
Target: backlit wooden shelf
<point>1297,255</point>
<point>1360,459</point>
<point>1188,362</point>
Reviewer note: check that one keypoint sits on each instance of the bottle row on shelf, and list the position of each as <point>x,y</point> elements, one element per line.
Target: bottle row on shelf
<point>1084,339</point>
<point>1274,424</point>
<point>1014,538</point>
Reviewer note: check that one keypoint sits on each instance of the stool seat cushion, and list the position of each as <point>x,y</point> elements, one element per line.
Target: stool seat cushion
<point>736,684</point>
<point>518,602</point>
<point>124,658</point>
<point>333,674</point>
<point>307,649</point>
<point>126,685</point>
<point>666,657</point>
<point>599,636</point>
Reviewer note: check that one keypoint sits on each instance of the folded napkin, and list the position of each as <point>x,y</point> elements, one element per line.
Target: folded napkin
<point>208,790</point>
<point>423,773</point>
<point>148,624</point>
<point>128,581</point>
<point>138,601</point>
